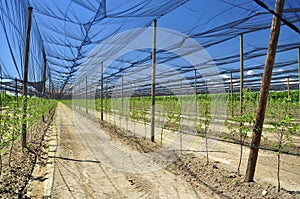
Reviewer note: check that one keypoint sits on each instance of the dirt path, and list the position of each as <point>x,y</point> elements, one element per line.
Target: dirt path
<point>89,164</point>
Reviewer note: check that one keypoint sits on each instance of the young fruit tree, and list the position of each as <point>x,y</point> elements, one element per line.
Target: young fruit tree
<point>284,128</point>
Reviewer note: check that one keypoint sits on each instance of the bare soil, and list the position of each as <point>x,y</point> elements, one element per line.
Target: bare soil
<point>81,170</point>
<point>18,163</point>
<point>99,160</point>
<point>219,180</point>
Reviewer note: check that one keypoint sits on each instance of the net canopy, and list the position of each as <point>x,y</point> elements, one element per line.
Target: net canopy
<point>71,39</point>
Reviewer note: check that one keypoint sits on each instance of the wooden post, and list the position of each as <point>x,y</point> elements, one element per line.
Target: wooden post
<point>101,100</point>
<point>44,74</point>
<point>288,87</point>
<point>25,78</point>
<point>122,95</point>
<point>299,74</point>
<point>264,92</point>
<point>206,92</point>
<point>130,99</point>
<point>180,130</point>
<point>241,99</point>
<point>241,76</point>
<point>90,98</point>
<point>106,103</point>
<point>16,91</point>
<point>53,91</point>
<point>120,112</point>
<point>0,91</point>
<point>49,85</point>
<point>231,85</point>
<point>181,95</point>
<point>86,96</point>
<point>79,96</point>
<point>231,94</point>
<point>195,93</point>
<point>153,82</point>
<point>0,85</point>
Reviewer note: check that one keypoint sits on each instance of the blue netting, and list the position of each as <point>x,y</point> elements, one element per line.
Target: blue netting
<point>68,32</point>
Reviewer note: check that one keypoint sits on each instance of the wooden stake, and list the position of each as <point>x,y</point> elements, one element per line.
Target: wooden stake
<point>180,130</point>
<point>264,92</point>
<point>153,82</point>
<point>86,96</point>
<point>44,75</point>
<point>79,96</point>
<point>16,91</point>
<point>288,87</point>
<point>241,98</point>
<point>231,94</point>
<point>206,92</point>
<point>122,95</point>
<point>130,99</point>
<point>101,100</point>
<point>106,103</point>
<point>241,76</point>
<point>299,74</point>
<point>231,85</point>
<point>195,92</point>
<point>49,85</point>
<point>25,78</point>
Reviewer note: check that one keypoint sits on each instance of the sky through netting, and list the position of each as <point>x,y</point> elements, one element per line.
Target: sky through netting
<point>66,34</point>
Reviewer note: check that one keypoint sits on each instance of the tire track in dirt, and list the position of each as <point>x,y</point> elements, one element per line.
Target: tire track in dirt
<point>66,168</point>
<point>142,185</point>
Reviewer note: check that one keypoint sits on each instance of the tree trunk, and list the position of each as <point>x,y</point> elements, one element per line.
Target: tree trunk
<point>206,148</point>
<point>264,92</point>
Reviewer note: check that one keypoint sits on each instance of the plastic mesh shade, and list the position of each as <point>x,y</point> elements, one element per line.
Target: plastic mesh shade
<point>68,32</point>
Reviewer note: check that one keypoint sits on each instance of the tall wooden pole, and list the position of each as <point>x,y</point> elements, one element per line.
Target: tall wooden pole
<point>153,82</point>
<point>241,76</point>
<point>181,95</point>
<point>241,98</point>
<point>101,100</point>
<point>299,73</point>
<point>180,121</point>
<point>231,94</point>
<point>106,102</point>
<point>16,91</point>
<point>264,92</point>
<point>130,99</point>
<point>0,84</point>
<point>86,95</point>
<point>44,74</point>
<point>231,85</point>
<point>25,78</point>
<point>49,85</point>
<point>206,92</point>
<point>195,92</point>
<point>79,96</point>
<point>121,106</point>
<point>122,95</point>
<point>288,88</point>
